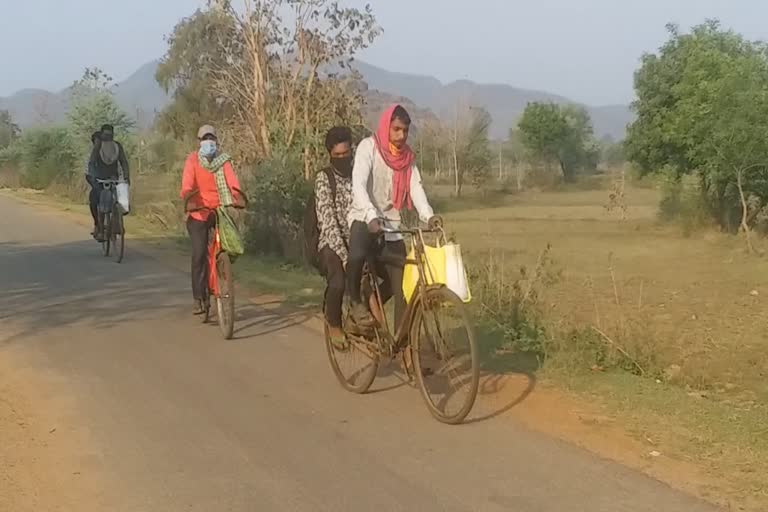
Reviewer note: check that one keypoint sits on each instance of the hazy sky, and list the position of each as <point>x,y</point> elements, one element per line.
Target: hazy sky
<point>583,49</point>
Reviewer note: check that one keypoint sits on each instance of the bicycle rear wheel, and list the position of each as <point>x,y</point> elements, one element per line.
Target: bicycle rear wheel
<point>225,299</point>
<point>118,236</point>
<point>355,367</point>
<point>445,356</point>
<point>106,234</point>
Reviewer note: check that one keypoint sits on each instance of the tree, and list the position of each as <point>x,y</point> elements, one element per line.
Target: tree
<point>612,153</point>
<point>269,83</point>
<point>9,130</point>
<point>702,109</point>
<point>561,135</point>
<point>185,69</point>
<point>94,105</point>
<point>475,153</point>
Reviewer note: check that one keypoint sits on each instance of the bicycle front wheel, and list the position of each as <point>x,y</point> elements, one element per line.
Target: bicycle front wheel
<point>445,355</point>
<point>118,236</point>
<point>225,299</point>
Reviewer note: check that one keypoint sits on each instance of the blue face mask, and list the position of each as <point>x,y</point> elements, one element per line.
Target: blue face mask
<point>208,148</point>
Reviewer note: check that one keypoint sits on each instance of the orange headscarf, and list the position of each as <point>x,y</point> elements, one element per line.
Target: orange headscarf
<point>400,161</point>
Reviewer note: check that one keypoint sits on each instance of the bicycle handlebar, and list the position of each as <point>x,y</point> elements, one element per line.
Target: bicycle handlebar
<point>203,208</point>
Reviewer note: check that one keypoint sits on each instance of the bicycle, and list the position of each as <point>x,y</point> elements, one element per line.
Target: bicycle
<point>111,227</point>
<point>219,271</point>
<point>421,334</point>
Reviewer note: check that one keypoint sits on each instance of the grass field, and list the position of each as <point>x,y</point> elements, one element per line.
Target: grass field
<point>701,298</point>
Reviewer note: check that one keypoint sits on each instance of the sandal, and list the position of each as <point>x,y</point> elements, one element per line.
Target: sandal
<point>339,343</point>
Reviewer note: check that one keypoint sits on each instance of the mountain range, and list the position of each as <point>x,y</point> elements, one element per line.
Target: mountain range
<point>141,96</point>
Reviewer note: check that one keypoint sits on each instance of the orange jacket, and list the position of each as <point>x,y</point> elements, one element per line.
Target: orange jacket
<point>196,177</point>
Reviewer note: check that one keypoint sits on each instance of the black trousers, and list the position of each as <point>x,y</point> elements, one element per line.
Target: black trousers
<point>362,245</point>
<point>198,235</point>
<point>333,270</point>
<point>93,199</point>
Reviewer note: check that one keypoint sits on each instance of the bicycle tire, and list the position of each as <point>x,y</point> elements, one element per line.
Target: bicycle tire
<point>436,300</point>
<point>119,236</point>
<point>225,299</point>
<point>106,234</point>
<point>359,381</point>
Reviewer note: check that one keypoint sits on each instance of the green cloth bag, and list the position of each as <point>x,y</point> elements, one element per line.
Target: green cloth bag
<point>229,235</point>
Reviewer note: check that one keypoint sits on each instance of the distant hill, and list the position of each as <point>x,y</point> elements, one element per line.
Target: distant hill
<point>505,102</point>
<point>142,97</point>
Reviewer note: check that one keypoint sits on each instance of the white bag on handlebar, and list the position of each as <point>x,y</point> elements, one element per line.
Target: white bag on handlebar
<point>123,196</point>
<point>455,273</point>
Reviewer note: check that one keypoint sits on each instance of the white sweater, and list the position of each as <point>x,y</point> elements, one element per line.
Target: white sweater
<point>372,190</point>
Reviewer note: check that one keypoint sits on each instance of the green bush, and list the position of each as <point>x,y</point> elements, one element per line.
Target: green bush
<point>278,195</point>
<point>45,155</point>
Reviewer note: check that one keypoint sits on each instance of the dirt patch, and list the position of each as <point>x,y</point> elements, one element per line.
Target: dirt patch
<point>46,463</point>
<point>589,426</point>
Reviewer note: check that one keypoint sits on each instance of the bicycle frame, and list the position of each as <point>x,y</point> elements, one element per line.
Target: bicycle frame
<point>214,249</point>
<point>400,339</point>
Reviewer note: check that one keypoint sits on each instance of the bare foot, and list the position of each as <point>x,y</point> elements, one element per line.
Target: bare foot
<point>335,332</point>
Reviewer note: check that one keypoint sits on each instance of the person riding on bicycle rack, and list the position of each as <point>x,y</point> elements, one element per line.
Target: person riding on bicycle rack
<point>385,180</point>
<point>107,162</point>
<point>326,227</point>
<point>210,177</point>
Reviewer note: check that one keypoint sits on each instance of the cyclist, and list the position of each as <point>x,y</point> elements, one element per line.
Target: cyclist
<point>209,176</point>
<point>332,201</point>
<point>107,162</point>
<point>93,195</point>
<point>385,180</point>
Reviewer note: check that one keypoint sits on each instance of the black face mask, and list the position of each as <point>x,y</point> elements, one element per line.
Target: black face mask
<point>343,165</point>
<point>106,137</point>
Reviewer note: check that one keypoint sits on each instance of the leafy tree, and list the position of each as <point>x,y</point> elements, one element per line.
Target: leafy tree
<point>562,135</point>
<point>94,105</point>
<point>9,130</point>
<point>702,109</point>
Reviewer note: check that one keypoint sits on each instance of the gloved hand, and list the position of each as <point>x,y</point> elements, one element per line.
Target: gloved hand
<point>435,222</point>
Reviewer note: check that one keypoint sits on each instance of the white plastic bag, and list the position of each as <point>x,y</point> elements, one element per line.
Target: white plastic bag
<point>455,273</point>
<point>123,196</point>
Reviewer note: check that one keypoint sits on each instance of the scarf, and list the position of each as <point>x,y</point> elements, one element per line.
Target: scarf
<point>216,167</point>
<point>400,161</point>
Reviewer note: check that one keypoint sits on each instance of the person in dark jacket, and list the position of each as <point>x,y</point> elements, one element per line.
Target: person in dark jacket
<point>107,162</point>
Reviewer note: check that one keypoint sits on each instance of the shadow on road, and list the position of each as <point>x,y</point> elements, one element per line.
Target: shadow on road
<point>50,286</point>
<point>254,321</point>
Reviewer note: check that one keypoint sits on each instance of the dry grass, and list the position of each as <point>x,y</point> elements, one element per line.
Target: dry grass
<point>697,301</point>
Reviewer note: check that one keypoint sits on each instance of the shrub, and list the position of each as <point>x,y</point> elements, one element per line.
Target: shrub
<point>278,194</point>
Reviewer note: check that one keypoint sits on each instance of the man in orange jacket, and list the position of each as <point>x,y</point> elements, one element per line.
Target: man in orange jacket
<point>208,181</point>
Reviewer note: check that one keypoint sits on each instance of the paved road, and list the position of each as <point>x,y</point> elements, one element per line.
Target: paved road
<point>183,421</point>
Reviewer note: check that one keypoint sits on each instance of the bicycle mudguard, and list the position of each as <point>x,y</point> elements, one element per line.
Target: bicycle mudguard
<point>214,248</point>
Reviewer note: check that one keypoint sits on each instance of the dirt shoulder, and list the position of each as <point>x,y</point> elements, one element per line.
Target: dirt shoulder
<point>46,462</point>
